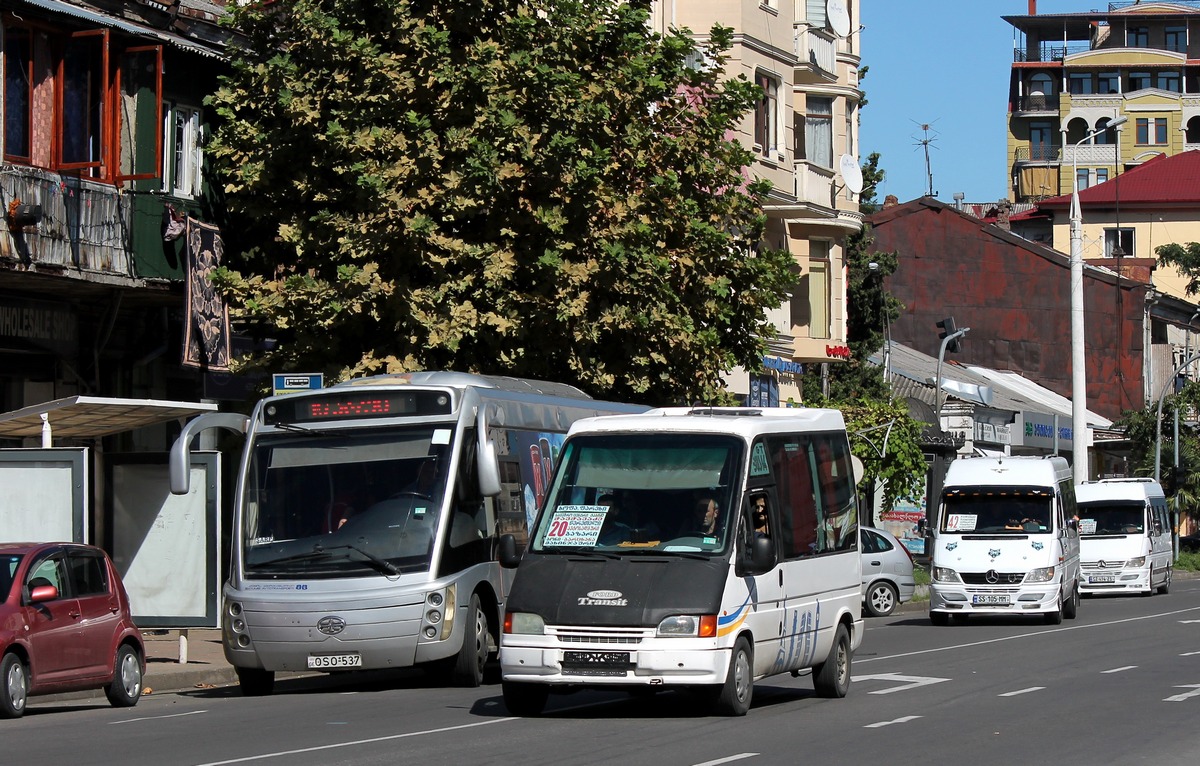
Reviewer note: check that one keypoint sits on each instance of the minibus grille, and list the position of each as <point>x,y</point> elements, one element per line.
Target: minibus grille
<point>606,637</point>
<point>992,578</point>
<point>1118,564</point>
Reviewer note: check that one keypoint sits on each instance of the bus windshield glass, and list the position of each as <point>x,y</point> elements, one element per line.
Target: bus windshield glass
<point>344,503</point>
<point>997,510</point>
<point>1112,518</point>
<point>658,492</point>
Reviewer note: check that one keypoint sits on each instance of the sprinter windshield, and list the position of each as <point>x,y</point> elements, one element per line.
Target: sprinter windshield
<point>997,510</point>
<point>336,503</point>
<point>1112,518</point>
<point>644,492</point>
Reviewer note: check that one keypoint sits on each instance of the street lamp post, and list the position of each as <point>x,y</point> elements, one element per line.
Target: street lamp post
<point>1078,373</point>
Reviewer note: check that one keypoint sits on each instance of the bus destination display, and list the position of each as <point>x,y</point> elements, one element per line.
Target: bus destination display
<point>357,405</point>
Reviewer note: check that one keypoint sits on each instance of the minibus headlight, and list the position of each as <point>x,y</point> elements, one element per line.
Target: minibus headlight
<point>1043,574</point>
<point>1140,561</point>
<point>524,623</point>
<point>686,625</point>
<point>945,574</point>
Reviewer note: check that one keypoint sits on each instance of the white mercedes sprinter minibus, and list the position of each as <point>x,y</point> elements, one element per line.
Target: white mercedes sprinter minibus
<point>1005,541</point>
<point>1124,536</point>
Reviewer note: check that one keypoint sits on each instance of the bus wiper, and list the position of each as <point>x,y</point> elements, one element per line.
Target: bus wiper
<point>383,565</point>
<point>293,428</point>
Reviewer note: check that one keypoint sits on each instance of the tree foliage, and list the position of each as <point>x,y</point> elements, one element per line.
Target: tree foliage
<point>541,188</point>
<point>1144,432</point>
<point>1185,258</point>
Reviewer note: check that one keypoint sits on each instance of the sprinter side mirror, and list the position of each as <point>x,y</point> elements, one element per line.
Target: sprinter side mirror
<point>507,553</point>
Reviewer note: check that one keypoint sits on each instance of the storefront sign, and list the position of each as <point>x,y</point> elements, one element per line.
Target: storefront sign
<point>48,325</point>
<point>1038,430</point>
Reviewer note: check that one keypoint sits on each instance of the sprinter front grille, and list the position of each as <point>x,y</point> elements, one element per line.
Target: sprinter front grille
<point>992,578</point>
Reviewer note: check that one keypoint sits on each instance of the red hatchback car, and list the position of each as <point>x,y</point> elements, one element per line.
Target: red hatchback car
<point>65,626</point>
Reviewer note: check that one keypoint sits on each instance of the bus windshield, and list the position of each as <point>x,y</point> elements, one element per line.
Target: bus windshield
<point>1112,518</point>
<point>339,503</point>
<point>643,493</point>
<point>997,510</point>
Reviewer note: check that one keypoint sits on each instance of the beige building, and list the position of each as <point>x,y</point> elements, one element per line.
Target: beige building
<point>1073,73</point>
<point>805,56</point>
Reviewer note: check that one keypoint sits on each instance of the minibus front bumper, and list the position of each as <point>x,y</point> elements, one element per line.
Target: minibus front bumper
<point>958,598</point>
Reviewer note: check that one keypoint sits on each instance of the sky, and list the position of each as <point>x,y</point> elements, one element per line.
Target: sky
<point>945,64</point>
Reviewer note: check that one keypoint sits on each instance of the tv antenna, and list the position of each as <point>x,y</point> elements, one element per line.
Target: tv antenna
<point>926,142</point>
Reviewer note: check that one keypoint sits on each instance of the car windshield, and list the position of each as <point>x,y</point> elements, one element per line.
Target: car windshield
<point>1112,518</point>
<point>8,571</point>
<point>344,503</point>
<point>662,493</point>
<point>997,510</point>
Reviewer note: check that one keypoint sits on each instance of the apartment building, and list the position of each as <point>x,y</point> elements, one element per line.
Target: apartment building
<point>1074,73</point>
<point>805,55</point>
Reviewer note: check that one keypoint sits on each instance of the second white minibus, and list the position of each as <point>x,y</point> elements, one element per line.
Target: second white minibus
<point>1124,536</point>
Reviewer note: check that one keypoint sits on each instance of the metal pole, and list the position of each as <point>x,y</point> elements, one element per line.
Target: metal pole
<point>937,392</point>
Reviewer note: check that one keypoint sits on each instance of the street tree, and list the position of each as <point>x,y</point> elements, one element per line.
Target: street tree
<point>1145,433</point>
<point>1185,258</point>
<point>540,188</point>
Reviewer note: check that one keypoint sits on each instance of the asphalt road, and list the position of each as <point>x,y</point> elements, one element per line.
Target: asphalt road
<point>1121,684</point>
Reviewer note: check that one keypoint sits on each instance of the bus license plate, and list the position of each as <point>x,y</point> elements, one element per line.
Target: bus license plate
<point>1102,578</point>
<point>997,600</point>
<point>334,661</point>
<point>595,659</point>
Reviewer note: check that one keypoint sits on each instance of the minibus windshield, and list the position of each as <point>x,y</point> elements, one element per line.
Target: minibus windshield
<point>1112,518</point>
<point>997,510</point>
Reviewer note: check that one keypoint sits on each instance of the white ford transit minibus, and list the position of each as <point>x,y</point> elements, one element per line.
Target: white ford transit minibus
<point>1005,541</point>
<point>1124,536</point>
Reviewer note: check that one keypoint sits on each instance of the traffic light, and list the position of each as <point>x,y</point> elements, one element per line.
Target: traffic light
<point>948,328</point>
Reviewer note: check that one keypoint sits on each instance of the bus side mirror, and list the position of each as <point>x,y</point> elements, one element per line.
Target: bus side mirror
<point>761,558</point>
<point>507,552</point>
<point>485,454</point>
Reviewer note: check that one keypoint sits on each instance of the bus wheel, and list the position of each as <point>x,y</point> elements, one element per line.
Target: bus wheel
<point>738,689</point>
<point>832,677</point>
<point>1071,606</point>
<point>255,682</point>
<point>525,699</point>
<point>473,655</point>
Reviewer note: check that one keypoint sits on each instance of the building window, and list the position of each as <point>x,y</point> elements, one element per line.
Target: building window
<point>818,131</point>
<point>766,115</point>
<point>1101,175</point>
<point>66,107</point>
<point>1080,84</point>
<point>182,157</point>
<point>1118,237</point>
<point>1176,39</point>
<point>820,289</point>
<point>1151,131</point>
<point>1108,82</point>
<point>1168,80</point>
<point>1139,80</point>
<point>1041,142</point>
<point>816,13</point>
<point>1137,37</point>
<point>1104,136</point>
<point>1081,179</point>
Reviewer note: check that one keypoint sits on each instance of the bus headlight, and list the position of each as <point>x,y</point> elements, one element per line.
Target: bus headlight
<point>1137,563</point>
<point>704,626</point>
<point>945,574</point>
<point>1043,574</point>
<point>526,623</point>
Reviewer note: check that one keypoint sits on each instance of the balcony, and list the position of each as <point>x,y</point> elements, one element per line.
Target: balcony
<point>1048,52</point>
<point>815,53</point>
<point>1090,154</point>
<point>1043,153</point>
<point>1038,104</point>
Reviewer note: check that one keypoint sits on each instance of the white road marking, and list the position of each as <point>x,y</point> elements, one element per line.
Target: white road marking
<point>1015,637</point>
<point>353,743</point>
<point>1118,670</point>
<point>905,719</point>
<point>1188,622</point>
<point>156,717</point>
<point>730,759</point>
<point>1195,691</point>
<point>1188,654</point>
<point>1022,691</point>
<point>910,682</point>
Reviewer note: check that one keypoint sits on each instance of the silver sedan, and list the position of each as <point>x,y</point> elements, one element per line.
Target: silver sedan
<point>887,572</point>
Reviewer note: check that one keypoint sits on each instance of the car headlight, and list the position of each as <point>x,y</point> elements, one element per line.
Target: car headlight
<point>704,626</point>
<point>524,623</point>
<point>945,574</point>
<point>1043,574</point>
<point>1140,561</point>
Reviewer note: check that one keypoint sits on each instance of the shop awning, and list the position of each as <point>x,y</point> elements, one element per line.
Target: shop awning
<point>90,417</point>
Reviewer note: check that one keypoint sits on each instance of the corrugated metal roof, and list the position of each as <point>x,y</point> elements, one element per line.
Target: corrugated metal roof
<point>1157,181</point>
<point>96,16</point>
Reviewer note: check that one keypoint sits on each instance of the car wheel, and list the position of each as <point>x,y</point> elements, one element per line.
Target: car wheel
<point>832,677</point>
<point>525,699</point>
<point>472,657</point>
<point>14,686</point>
<point>882,598</point>
<point>255,682</point>
<point>738,689</point>
<point>126,687</point>
<point>1071,606</point>
<point>939,618</point>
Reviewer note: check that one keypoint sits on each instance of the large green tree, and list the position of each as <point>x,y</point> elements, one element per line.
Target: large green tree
<point>542,188</point>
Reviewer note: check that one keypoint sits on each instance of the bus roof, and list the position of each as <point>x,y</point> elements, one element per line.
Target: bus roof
<point>743,421</point>
<point>468,379</point>
<point>1118,489</point>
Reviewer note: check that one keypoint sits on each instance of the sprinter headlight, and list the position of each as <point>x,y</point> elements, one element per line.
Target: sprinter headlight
<point>945,574</point>
<point>524,623</point>
<point>1044,574</point>
<point>704,626</point>
<point>1140,561</point>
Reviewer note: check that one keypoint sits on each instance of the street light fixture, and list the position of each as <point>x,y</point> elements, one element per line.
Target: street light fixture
<point>1078,373</point>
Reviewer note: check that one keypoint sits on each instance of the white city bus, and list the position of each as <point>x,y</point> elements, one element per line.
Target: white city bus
<point>650,568</point>
<point>366,516</point>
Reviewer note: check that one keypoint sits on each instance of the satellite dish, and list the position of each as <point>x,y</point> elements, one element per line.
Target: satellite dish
<point>839,17</point>
<point>851,173</point>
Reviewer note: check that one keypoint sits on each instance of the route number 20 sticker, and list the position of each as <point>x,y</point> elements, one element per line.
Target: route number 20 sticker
<point>575,525</point>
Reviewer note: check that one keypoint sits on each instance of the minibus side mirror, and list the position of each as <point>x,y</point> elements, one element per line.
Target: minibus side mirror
<point>507,552</point>
<point>761,558</point>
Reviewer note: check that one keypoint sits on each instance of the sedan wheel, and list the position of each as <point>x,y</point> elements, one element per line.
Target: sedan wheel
<point>881,599</point>
<point>126,687</point>
<point>14,686</point>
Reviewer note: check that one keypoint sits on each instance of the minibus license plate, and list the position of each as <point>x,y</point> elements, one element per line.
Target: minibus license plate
<point>1102,578</point>
<point>598,659</point>
<point>990,599</point>
<point>335,661</point>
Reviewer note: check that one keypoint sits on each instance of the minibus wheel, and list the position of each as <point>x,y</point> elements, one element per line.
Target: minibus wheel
<point>939,618</point>
<point>1070,607</point>
<point>1166,586</point>
<point>832,677</point>
<point>1055,617</point>
<point>738,689</point>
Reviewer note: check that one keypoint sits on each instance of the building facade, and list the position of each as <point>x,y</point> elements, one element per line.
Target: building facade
<point>804,54</point>
<point>1074,73</point>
